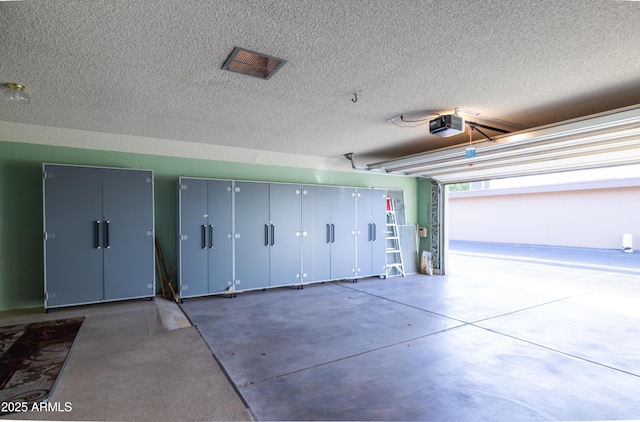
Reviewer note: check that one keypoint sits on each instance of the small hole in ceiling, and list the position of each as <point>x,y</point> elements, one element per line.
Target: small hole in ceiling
<point>252,63</point>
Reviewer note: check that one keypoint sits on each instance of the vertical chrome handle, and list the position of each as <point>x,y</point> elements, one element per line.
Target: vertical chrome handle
<point>273,234</point>
<point>328,233</point>
<point>266,235</point>
<point>204,236</point>
<point>369,237</point>
<point>107,244</point>
<point>210,236</point>
<point>333,233</point>
<point>97,233</point>
<point>374,228</point>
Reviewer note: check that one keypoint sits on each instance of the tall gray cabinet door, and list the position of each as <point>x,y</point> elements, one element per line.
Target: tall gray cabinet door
<point>219,233</point>
<point>379,221</point>
<point>73,253</point>
<point>252,235</point>
<point>343,227</point>
<point>285,233</point>
<point>129,261</point>
<point>365,229</point>
<point>316,227</point>
<point>193,220</point>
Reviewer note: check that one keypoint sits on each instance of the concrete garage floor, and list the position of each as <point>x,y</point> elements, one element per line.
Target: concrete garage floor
<point>494,340</point>
<point>135,360</point>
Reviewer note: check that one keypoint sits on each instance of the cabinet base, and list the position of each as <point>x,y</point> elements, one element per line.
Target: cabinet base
<point>48,309</point>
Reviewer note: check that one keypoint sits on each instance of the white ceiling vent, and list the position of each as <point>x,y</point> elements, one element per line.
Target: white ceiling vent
<point>252,63</point>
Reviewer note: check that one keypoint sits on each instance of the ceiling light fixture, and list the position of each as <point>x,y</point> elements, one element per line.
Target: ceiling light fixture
<point>14,93</point>
<point>252,64</point>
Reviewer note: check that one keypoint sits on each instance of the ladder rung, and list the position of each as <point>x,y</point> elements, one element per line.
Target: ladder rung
<point>393,251</point>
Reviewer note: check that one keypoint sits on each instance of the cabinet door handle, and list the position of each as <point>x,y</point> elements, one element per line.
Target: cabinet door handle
<point>210,236</point>
<point>266,235</point>
<point>107,244</point>
<point>328,233</point>
<point>97,233</point>
<point>374,228</point>
<point>204,236</point>
<point>333,233</point>
<point>369,236</point>
<point>273,235</point>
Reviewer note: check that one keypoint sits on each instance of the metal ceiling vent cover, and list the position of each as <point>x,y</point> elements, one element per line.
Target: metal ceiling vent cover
<point>252,63</point>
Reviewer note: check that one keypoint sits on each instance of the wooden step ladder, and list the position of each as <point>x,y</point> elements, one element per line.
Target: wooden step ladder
<point>395,267</point>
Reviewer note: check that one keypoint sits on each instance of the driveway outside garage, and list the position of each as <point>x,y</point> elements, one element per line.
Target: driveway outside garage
<point>611,260</point>
<point>498,338</point>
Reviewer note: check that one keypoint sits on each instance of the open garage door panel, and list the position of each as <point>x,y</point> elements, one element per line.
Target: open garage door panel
<point>603,140</point>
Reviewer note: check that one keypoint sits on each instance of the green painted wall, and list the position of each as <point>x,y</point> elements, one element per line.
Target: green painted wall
<point>21,230</point>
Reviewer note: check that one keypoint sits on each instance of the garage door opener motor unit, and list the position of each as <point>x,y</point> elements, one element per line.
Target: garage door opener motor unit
<point>446,125</point>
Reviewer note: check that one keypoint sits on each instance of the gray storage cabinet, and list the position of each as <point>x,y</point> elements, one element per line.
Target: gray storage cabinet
<point>371,232</point>
<point>236,235</point>
<point>317,231</point>
<point>267,234</point>
<point>252,232</point>
<point>98,234</point>
<point>205,219</point>
<point>285,234</point>
<point>343,233</point>
<point>329,233</point>
<point>246,235</point>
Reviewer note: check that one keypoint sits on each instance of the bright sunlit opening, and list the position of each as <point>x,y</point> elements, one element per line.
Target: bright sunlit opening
<point>591,175</point>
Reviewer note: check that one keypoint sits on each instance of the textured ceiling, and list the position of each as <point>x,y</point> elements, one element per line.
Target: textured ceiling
<point>153,68</point>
